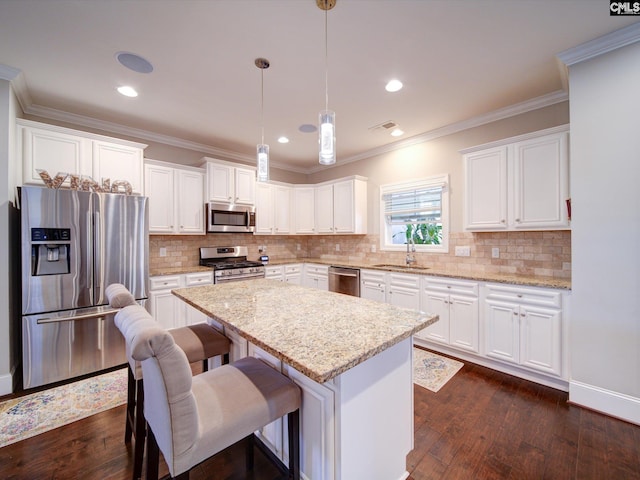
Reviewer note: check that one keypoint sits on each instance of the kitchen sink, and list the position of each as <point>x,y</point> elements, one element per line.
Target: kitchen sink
<point>395,265</point>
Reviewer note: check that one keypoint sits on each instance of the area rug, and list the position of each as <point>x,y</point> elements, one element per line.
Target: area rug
<point>432,371</point>
<point>27,416</point>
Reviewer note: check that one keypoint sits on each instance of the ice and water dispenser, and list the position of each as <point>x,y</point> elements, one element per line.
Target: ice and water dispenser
<point>50,251</point>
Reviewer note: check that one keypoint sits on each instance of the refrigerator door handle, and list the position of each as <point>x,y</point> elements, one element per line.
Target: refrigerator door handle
<point>98,257</point>
<point>86,316</point>
<point>89,248</point>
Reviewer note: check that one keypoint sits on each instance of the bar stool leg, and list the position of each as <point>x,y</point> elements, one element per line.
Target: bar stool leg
<point>131,405</point>
<point>141,431</point>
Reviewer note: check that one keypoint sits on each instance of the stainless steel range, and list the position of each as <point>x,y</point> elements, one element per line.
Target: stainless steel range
<point>230,264</point>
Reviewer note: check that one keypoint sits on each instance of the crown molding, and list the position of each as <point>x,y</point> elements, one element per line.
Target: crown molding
<point>601,45</point>
<point>510,111</point>
<point>8,73</point>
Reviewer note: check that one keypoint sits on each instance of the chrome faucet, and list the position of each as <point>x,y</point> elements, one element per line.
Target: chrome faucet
<point>411,249</point>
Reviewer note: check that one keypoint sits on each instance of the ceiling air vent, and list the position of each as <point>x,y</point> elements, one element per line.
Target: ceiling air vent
<point>384,126</point>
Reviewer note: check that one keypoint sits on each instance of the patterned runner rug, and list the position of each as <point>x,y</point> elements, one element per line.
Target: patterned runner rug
<point>432,371</point>
<point>27,416</point>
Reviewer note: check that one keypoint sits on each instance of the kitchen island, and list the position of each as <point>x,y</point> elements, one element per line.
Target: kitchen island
<point>350,356</point>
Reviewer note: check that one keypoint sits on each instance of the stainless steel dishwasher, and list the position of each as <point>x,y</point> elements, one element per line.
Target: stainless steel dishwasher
<point>344,280</point>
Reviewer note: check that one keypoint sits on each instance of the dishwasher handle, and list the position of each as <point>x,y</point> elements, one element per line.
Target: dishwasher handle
<point>347,272</point>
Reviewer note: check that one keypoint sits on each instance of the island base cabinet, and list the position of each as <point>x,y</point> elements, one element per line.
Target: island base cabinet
<point>374,416</point>
<point>317,428</point>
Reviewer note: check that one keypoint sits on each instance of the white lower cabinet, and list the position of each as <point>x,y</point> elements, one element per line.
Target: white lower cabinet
<point>275,272</point>
<point>293,273</point>
<point>524,327</point>
<point>373,285</point>
<point>404,290</point>
<point>167,309</point>
<point>316,276</point>
<point>456,303</point>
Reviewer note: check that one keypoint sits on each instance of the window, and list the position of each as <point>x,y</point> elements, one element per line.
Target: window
<point>418,211</point>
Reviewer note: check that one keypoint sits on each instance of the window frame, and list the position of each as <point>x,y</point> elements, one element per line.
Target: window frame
<point>429,182</point>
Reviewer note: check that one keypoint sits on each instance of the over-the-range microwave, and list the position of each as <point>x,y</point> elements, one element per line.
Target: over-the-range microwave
<point>228,218</point>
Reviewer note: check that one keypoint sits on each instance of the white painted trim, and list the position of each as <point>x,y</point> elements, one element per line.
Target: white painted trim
<point>515,370</point>
<point>619,405</point>
<point>519,138</point>
<point>8,73</point>
<point>598,46</point>
<point>6,384</point>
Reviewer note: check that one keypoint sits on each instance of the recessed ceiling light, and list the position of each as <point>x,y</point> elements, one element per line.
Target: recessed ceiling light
<point>393,86</point>
<point>127,91</point>
<point>397,132</point>
<point>308,128</point>
<point>134,62</point>
<point>283,140</point>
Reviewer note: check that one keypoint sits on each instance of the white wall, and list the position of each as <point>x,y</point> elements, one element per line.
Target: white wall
<point>8,231</point>
<point>605,189</point>
<point>439,156</point>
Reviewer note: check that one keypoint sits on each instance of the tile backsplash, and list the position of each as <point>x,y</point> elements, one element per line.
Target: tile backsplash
<point>546,253</point>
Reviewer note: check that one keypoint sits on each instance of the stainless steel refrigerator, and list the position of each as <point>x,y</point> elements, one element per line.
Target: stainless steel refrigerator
<point>74,244</point>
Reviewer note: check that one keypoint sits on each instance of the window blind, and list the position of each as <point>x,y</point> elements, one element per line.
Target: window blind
<point>420,205</point>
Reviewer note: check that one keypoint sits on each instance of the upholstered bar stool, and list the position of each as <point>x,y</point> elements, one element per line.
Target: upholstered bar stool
<point>199,342</point>
<point>191,418</point>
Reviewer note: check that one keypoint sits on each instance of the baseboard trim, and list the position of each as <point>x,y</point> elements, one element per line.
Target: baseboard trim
<point>615,404</point>
<point>6,384</point>
<point>540,378</point>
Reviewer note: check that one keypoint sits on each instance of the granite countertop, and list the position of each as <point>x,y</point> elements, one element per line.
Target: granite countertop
<point>524,280</point>
<point>178,270</point>
<point>319,333</point>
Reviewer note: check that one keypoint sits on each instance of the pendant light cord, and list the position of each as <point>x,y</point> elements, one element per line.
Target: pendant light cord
<point>326,60</point>
<point>262,102</point>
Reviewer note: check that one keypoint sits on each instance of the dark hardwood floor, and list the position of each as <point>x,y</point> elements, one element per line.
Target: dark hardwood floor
<point>481,425</point>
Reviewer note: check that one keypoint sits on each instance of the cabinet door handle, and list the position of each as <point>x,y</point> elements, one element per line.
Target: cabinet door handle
<point>517,220</point>
<point>503,221</point>
<point>515,313</point>
<point>523,314</point>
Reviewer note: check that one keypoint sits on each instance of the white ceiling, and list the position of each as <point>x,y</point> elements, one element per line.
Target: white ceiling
<point>458,60</point>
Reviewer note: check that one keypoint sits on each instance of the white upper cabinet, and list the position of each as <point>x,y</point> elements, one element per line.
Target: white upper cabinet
<point>176,199</point>
<point>118,162</point>
<point>324,209</point>
<point>264,207</point>
<point>341,207</point>
<point>227,183</point>
<point>304,209</point>
<point>486,189</point>
<point>62,150</point>
<point>519,185</point>
<point>273,209</point>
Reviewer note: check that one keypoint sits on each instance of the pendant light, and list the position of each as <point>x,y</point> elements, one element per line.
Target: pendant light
<point>262,149</point>
<point>327,118</point>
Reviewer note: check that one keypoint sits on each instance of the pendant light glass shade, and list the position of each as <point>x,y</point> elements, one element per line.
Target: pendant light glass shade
<point>327,130</point>
<point>263,162</point>
<point>327,137</point>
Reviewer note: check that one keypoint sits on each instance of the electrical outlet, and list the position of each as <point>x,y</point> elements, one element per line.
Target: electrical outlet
<point>373,248</point>
<point>298,246</point>
<point>495,252</point>
<point>337,247</point>
<point>463,251</point>
<point>163,252</point>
